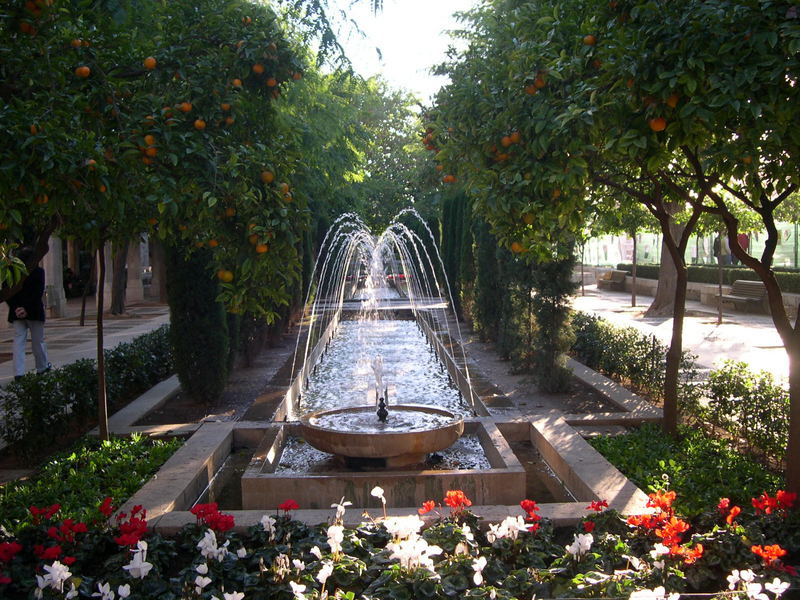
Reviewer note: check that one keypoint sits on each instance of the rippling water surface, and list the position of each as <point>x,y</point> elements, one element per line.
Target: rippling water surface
<point>411,370</point>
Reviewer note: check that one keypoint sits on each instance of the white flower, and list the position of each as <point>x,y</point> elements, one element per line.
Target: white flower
<point>209,548</point>
<point>41,582</point>
<point>325,572</point>
<point>508,528</point>
<point>316,552</point>
<point>201,581</point>
<point>777,587</point>
<point>241,552</point>
<point>467,531</point>
<point>754,592</point>
<point>73,593</point>
<point>124,590</point>
<point>299,564</point>
<point>138,568</point>
<point>403,527</point>
<point>233,595</point>
<point>335,538</point>
<point>268,523</point>
<point>104,592</point>
<point>57,574</point>
<point>297,590</point>
<point>202,568</point>
<point>414,552</point>
<point>580,545</point>
<point>659,550</point>
<point>478,565</point>
<point>748,576</point>
<point>377,491</point>
<point>658,593</point>
<point>340,507</point>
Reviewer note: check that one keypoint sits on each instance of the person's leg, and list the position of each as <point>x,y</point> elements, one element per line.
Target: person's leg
<point>20,337</point>
<point>38,347</point>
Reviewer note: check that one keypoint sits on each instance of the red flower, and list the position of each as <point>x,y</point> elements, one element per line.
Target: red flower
<point>771,555</point>
<point>598,505</point>
<point>427,507</point>
<point>588,526</point>
<point>530,507</point>
<point>106,508</point>
<point>732,515</point>
<point>690,555</point>
<point>671,531</point>
<point>662,501</point>
<point>43,514</point>
<point>49,553</point>
<point>8,550</point>
<point>786,500</point>
<point>456,499</point>
<point>132,530</point>
<point>724,505</point>
<point>534,528</point>
<point>288,505</point>
<point>68,560</point>
<point>4,580</point>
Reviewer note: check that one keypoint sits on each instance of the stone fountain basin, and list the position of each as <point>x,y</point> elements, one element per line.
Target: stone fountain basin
<point>410,433</point>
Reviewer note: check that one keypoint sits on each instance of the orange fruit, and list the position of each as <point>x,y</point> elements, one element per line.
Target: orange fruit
<point>150,140</point>
<point>267,176</point>
<point>527,218</point>
<point>199,124</point>
<point>629,83</point>
<point>83,72</point>
<point>589,40</point>
<point>284,187</point>
<point>506,141</point>
<point>212,243</point>
<point>230,211</point>
<point>76,43</point>
<point>287,197</point>
<point>747,159</point>
<point>225,106</point>
<point>149,120</point>
<point>34,130</point>
<point>539,82</point>
<point>672,101</point>
<point>440,167</point>
<point>272,82</point>
<point>42,199</point>
<point>152,151</point>
<point>149,63</point>
<point>91,164</point>
<point>261,248</point>
<point>103,189</point>
<point>258,68</point>
<point>515,137</point>
<point>556,193</point>
<point>185,107</point>
<point>224,276</point>
<point>147,161</point>
<point>658,124</point>
<point>449,179</point>
<point>182,227</point>
<point>253,238</point>
<point>152,221</point>
<point>297,76</point>
<point>531,89</point>
<point>229,120</point>
<point>237,83</point>
<point>517,248</point>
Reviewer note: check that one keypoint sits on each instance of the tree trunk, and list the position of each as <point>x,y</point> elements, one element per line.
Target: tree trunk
<point>102,408</point>
<point>633,273</point>
<point>119,278</point>
<point>87,287</point>
<point>792,459</point>
<point>672,368</point>
<point>663,304</point>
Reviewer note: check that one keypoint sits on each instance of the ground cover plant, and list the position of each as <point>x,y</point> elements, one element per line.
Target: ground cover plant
<point>79,479</point>
<point>698,467</point>
<point>442,552</point>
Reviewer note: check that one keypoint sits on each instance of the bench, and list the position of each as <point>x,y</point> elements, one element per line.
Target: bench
<point>745,294</point>
<point>612,280</point>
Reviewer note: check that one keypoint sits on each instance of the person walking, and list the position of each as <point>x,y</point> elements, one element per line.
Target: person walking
<point>26,312</point>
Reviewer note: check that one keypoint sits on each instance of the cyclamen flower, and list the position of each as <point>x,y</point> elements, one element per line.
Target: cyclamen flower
<point>297,590</point>
<point>581,544</point>
<point>745,576</point>
<point>288,505</point>
<point>241,552</point>
<point>658,593</point>
<point>478,565</point>
<point>754,592</point>
<point>457,500</point>
<point>124,590</point>
<point>325,572</point>
<point>138,568</point>
<point>298,564</point>
<point>507,528</point>
<point>377,491</point>
<point>9,550</point>
<point>335,538</point>
<point>340,508</point>
<point>202,568</point>
<point>200,582</point>
<point>771,555</point>
<point>105,508</point>
<point>414,553</point>
<point>268,523</point>
<point>403,527</point>
<point>104,591</point>
<point>427,507</point>
<point>588,526</point>
<point>777,587</point>
<point>315,551</point>
<point>209,548</point>
<point>57,574</point>
<point>598,505</point>
<point>233,595</point>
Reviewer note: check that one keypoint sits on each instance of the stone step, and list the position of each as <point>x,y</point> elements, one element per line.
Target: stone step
<point>589,431</point>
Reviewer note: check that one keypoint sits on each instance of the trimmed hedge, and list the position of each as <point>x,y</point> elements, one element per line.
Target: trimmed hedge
<point>750,407</point>
<point>788,279</point>
<point>37,408</point>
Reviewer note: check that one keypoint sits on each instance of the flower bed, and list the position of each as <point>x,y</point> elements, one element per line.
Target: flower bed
<point>748,550</point>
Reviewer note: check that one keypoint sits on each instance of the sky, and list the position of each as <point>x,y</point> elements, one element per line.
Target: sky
<point>411,35</point>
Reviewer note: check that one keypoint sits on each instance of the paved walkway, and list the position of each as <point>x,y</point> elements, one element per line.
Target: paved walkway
<point>746,337</point>
<point>67,341</point>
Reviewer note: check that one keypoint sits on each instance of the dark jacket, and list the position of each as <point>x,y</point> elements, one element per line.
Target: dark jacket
<point>29,297</point>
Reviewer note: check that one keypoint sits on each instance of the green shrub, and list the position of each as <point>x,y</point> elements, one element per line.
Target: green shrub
<point>37,407</point>
<point>700,468</point>
<point>199,333</point>
<point>788,279</point>
<point>751,407</point>
<point>80,478</point>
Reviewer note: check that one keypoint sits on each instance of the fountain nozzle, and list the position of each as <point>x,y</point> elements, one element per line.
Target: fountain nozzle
<point>383,414</point>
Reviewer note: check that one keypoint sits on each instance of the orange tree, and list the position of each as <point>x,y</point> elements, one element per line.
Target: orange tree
<point>635,97</point>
